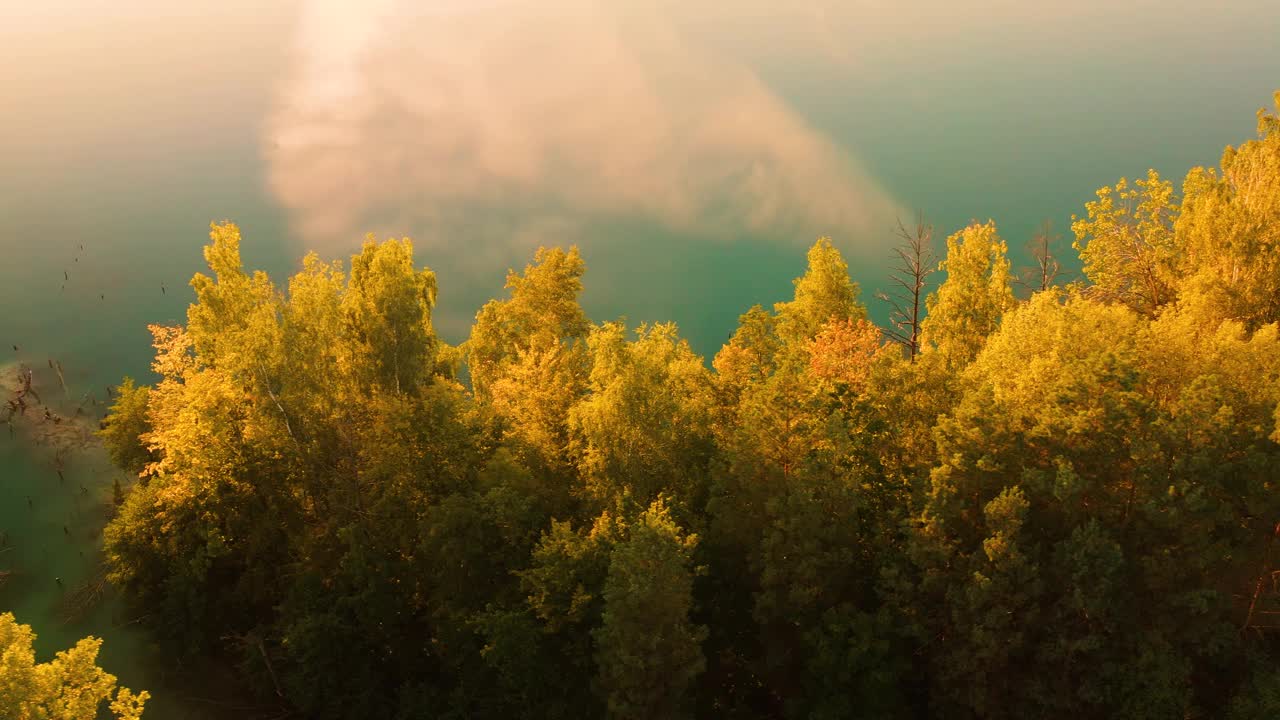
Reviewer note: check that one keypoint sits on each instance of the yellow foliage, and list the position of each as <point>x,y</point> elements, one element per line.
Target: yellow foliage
<point>1128,245</point>
<point>1230,227</point>
<point>967,307</point>
<point>1047,348</point>
<point>69,687</point>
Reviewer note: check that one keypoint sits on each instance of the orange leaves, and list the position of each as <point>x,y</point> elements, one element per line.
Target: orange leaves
<point>843,351</point>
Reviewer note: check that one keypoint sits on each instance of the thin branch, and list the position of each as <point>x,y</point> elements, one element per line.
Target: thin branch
<point>1046,270</point>
<point>910,276</point>
<point>287,426</point>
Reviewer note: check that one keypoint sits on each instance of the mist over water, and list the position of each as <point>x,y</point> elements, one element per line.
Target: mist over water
<point>692,149</point>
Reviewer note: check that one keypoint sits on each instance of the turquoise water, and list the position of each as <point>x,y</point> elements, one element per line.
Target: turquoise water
<point>691,150</point>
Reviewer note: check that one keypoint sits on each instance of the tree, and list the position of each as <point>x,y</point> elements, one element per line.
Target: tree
<point>828,643</point>
<point>1064,507</point>
<point>645,425</point>
<point>647,649</point>
<point>1047,268</point>
<point>542,312</point>
<point>126,423</point>
<point>564,587</point>
<point>910,275</point>
<point>1128,245</point>
<point>967,307</point>
<point>1259,695</point>
<point>1086,455</point>
<point>228,304</point>
<point>388,312</point>
<point>69,687</point>
<point>842,352</point>
<point>980,543</point>
<point>795,433</point>
<point>213,501</point>
<point>307,430</point>
<point>528,359</point>
<point>770,412</point>
<point>825,291</point>
<point>749,357</point>
<point>1229,229</point>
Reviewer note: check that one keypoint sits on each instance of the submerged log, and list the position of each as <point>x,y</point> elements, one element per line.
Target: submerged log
<point>81,601</point>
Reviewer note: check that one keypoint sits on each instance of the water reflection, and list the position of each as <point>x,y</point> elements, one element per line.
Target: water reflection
<point>538,117</point>
<point>653,131</point>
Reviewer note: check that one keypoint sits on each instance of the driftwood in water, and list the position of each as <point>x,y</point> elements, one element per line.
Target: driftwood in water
<point>49,428</point>
<point>81,601</point>
<point>57,365</point>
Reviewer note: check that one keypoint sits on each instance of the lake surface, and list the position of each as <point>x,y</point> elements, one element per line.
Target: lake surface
<point>693,151</point>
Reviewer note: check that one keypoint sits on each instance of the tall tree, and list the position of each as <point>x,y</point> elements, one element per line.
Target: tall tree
<point>967,306</point>
<point>825,291</point>
<point>228,305</point>
<point>388,312</point>
<point>1083,457</point>
<point>528,359</point>
<point>542,312</point>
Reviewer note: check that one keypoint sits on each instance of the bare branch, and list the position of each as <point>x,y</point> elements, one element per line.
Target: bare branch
<point>1044,274</point>
<point>910,276</point>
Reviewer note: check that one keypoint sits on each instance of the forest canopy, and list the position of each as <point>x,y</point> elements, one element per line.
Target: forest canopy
<point>1063,505</point>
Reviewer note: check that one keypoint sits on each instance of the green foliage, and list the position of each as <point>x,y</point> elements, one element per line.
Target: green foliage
<point>826,637</point>
<point>563,602</point>
<point>1060,508</point>
<point>645,425</point>
<point>1258,696</point>
<point>388,311</point>
<point>528,360</point>
<point>126,423</point>
<point>647,650</point>
<point>1069,465</point>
